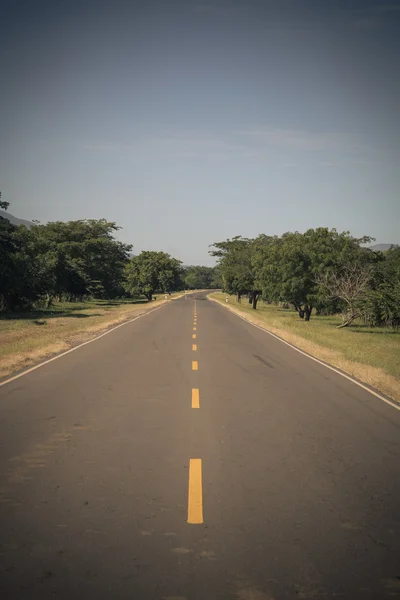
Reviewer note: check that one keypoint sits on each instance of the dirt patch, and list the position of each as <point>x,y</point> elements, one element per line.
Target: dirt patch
<point>24,360</point>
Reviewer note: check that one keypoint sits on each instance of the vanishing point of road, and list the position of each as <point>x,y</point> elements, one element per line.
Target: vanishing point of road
<point>190,456</point>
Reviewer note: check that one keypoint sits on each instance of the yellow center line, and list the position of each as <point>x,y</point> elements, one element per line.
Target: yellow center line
<point>195,398</point>
<point>194,336</point>
<point>194,347</point>
<point>195,496</point>
<point>195,365</point>
<point>194,328</point>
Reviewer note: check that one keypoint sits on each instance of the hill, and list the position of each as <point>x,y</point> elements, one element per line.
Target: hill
<point>15,220</point>
<point>382,247</point>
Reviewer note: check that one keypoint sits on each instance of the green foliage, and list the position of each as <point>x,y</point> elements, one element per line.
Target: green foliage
<point>199,278</point>
<point>289,267</point>
<point>152,272</point>
<point>81,257</point>
<point>235,265</point>
<point>4,205</point>
<point>20,283</point>
<point>320,269</point>
<point>381,305</point>
<point>216,282</point>
<point>72,260</point>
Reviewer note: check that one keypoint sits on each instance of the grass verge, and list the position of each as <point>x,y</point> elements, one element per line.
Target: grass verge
<point>28,338</point>
<point>371,355</point>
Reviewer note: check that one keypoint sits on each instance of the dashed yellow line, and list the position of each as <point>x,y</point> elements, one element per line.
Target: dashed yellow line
<point>194,328</point>
<point>194,347</point>
<point>195,398</point>
<point>195,365</point>
<point>195,495</point>
<point>194,336</point>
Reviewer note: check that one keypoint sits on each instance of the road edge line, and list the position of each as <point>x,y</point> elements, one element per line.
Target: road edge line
<point>392,403</point>
<point>46,362</point>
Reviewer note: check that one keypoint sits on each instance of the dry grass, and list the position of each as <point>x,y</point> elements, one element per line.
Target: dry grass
<point>372,355</point>
<point>26,339</point>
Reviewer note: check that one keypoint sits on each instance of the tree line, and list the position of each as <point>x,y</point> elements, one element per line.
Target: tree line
<point>320,270</point>
<point>77,260</point>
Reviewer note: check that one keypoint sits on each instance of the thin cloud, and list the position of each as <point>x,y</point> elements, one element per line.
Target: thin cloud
<point>179,144</point>
<point>183,144</point>
<point>244,143</point>
<point>305,140</point>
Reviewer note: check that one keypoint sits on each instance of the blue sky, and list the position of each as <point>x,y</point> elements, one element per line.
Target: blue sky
<point>188,122</point>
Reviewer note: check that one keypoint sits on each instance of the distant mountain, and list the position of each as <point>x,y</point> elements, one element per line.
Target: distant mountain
<point>383,247</point>
<point>15,220</point>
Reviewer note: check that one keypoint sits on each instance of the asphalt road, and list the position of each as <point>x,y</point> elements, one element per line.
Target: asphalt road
<point>294,471</point>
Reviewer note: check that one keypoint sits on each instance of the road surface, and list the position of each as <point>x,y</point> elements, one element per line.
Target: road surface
<point>152,464</point>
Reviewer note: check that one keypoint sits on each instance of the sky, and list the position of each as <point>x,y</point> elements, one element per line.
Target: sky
<point>189,122</point>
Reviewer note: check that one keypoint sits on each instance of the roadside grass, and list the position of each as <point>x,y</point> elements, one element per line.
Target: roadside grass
<point>370,354</point>
<point>26,338</point>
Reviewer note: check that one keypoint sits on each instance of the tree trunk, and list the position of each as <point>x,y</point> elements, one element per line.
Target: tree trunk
<point>149,296</point>
<point>299,310</point>
<point>238,297</point>
<point>307,312</point>
<point>253,298</point>
<point>348,320</point>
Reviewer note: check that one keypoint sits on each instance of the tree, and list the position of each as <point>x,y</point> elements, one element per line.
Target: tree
<point>198,277</point>
<point>152,272</point>
<point>381,306</point>
<point>216,282</point>
<point>350,285</point>
<point>20,283</point>
<point>80,258</point>
<point>236,268</point>
<point>71,260</point>
<point>288,267</point>
<point>3,204</point>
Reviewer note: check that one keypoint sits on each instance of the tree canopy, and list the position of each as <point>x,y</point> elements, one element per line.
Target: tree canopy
<point>152,272</point>
<point>314,270</point>
<point>236,267</point>
<point>61,259</point>
<point>200,278</point>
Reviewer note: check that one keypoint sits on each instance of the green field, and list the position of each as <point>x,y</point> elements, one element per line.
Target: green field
<point>370,354</point>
